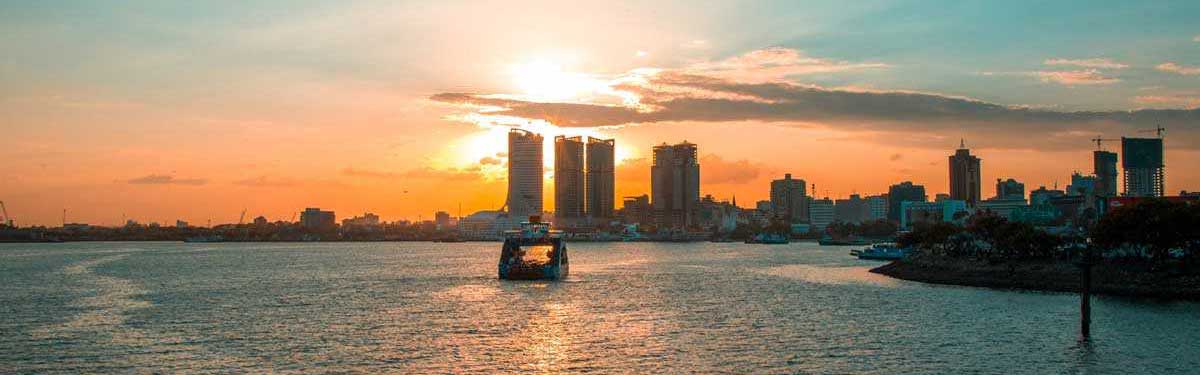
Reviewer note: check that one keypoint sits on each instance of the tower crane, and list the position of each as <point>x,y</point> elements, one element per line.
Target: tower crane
<point>7,219</point>
<point>1098,140</point>
<point>242,219</point>
<point>1158,130</point>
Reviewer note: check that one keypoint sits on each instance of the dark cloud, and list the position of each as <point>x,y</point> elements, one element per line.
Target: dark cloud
<point>162,179</point>
<point>673,96</point>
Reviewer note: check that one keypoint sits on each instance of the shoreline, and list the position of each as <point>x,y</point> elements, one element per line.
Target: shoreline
<point>1044,276</point>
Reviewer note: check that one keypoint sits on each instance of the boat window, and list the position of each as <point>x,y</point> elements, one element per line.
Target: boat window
<point>536,253</point>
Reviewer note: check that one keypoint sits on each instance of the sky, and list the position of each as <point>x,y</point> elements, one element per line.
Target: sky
<point>164,110</point>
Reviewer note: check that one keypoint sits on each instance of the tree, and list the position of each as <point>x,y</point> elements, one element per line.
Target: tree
<point>1157,225</point>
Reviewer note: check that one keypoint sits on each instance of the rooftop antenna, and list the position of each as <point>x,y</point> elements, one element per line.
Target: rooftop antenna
<point>962,143</point>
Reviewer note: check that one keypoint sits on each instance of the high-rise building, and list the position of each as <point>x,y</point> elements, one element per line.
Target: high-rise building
<point>675,185</point>
<point>851,210</point>
<point>568,179</point>
<point>820,213</point>
<point>601,188</point>
<point>789,199</point>
<point>1105,164</point>
<point>524,174</point>
<point>964,175</point>
<point>1082,185</point>
<point>878,205</point>
<point>314,219</point>
<point>1143,165</point>
<point>1009,189</point>
<point>903,192</point>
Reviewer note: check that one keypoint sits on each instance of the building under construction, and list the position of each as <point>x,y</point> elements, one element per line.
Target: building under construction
<point>1142,161</point>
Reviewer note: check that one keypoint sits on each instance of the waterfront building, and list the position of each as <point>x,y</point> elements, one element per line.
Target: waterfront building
<point>950,210</point>
<point>260,221</point>
<point>878,207</point>
<point>718,216</point>
<point>637,209</point>
<point>367,220</point>
<point>601,188</point>
<point>789,199</point>
<point>524,175</point>
<point>851,210</point>
<point>568,180</point>
<point>903,192</point>
<point>315,219</point>
<point>1002,207</point>
<point>1143,165</point>
<point>1105,168</point>
<point>964,175</point>
<point>820,213</point>
<point>483,225</point>
<point>675,185</point>
<point>442,220</point>
<point>1009,189</point>
<point>180,224</point>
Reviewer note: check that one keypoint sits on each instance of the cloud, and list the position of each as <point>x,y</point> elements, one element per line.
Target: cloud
<point>488,160</point>
<point>1196,38</point>
<point>1169,101</point>
<point>715,170</point>
<point>161,179</point>
<point>1096,63</point>
<point>774,63</point>
<point>895,157</point>
<point>914,119</point>
<point>1171,67</point>
<point>267,181</point>
<point>429,173</point>
<point>1074,77</point>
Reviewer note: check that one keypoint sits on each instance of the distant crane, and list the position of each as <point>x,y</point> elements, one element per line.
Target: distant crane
<point>242,219</point>
<point>7,219</point>
<point>1098,140</point>
<point>1158,130</point>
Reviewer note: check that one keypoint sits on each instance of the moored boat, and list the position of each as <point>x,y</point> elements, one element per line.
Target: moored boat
<point>533,253</point>
<point>769,239</point>
<point>881,251</point>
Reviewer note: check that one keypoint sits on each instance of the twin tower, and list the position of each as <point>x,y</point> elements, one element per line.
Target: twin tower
<point>583,177</point>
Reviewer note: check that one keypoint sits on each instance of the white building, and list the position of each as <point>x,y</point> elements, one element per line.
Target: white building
<point>820,213</point>
<point>524,174</point>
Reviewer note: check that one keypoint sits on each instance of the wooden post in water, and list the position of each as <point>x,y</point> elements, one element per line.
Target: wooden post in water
<point>1085,295</point>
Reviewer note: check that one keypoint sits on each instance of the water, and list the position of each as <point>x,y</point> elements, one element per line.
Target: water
<point>627,308</point>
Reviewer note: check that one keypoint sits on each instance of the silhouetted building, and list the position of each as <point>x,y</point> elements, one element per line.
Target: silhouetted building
<point>1009,189</point>
<point>1042,195</point>
<point>903,192</point>
<point>719,217</point>
<point>637,209</point>
<point>260,221</point>
<point>964,176</point>
<point>568,179</point>
<point>601,188</point>
<point>314,219</point>
<point>1143,165</point>
<point>441,219</point>
<point>878,207</point>
<point>1105,164</point>
<point>820,213</point>
<point>675,185</point>
<point>367,220</point>
<point>851,210</point>
<point>1081,185</point>
<point>789,199</point>
<point>950,210</point>
<point>524,175</point>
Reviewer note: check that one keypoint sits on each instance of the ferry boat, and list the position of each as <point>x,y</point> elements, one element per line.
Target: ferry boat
<point>850,241</point>
<point>533,253</point>
<point>769,239</point>
<point>881,251</point>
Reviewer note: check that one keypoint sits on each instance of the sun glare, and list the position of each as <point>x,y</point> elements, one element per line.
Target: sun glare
<point>546,81</point>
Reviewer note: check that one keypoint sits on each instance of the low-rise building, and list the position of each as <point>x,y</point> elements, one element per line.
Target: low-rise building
<point>946,210</point>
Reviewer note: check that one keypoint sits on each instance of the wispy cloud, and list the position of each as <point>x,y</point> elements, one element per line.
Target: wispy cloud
<point>162,179</point>
<point>1075,77</point>
<point>1096,63</point>
<point>721,171</point>
<point>1172,67</point>
<point>268,181</point>
<point>773,64</point>
<point>1168,101</point>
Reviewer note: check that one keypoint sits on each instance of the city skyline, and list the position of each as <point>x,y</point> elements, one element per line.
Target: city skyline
<point>202,114</point>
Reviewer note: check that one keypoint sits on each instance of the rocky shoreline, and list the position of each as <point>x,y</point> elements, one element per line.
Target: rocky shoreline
<point>1044,276</point>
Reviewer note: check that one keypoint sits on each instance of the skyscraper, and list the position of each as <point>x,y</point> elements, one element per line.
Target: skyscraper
<point>524,174</point>
<point>964,175</point>
<point>568,179</point>
<point>789,199</point>
<point>675,185</point>
<point>601,191</point>
<point>1105,164</point>
<point>1143,164</point>
<point>903,192</point>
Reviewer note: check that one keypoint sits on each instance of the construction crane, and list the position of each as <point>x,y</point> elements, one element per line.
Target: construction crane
<point>242,219</point>
<point>1098,139</point>
<point>7,219</point>
<point>1158,130</point>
